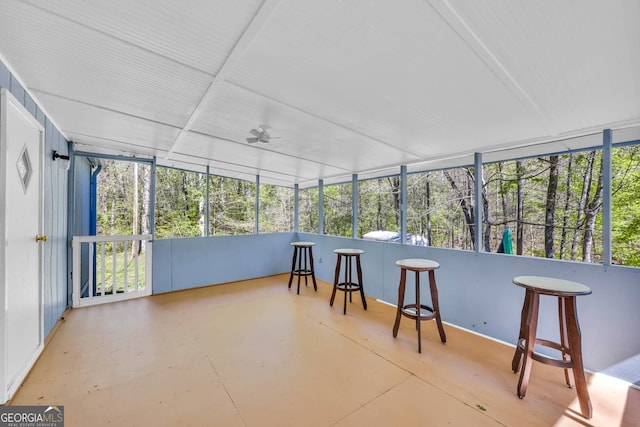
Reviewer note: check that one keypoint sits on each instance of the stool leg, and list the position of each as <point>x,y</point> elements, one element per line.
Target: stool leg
<point>300,254</point>
<point>313,274</point>
<point>350,280</point>
<point>403,281</point>
<point>347,281</point>
<point>293,265</point>
<point>575,349</point>
<point>562,320</point>
<point>358,266</point>
<point>305,253</point>
<point>530,341</point>
<point>436,305</point>
<point>517,357</point>
<point>335,281</point>
<point>418,312</point>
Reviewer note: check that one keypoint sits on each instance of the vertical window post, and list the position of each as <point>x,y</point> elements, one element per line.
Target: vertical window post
<point>403,204</point>
<point>152,199</point>
<point>478,196</point>
<point>320,206</point>
<point>257,205</point>
<point>206,209</point>
<point>296,202</point>
<point>354,206</point>
<point>606,197</point>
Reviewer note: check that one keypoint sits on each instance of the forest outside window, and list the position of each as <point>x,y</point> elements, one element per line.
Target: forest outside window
<point>338,209</point>
<point>276,209</point>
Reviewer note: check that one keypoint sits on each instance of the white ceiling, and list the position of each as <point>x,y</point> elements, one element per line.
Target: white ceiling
<point>360,86</point>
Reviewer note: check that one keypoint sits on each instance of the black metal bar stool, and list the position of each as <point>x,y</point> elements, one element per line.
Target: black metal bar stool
<point>303,254</point>
<point>413,311</point>
<point>348,286</point>
<point>570,339</point>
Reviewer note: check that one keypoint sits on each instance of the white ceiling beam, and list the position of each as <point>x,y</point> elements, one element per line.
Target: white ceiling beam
<point>247,37</point>
<point>471,39</point>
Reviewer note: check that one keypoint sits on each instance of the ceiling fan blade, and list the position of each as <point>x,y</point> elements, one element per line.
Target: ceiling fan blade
<point>252,140</point>
<point>255,132</point>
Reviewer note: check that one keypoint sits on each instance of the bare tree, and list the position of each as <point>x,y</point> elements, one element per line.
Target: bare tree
<point>591,211</point>
<point>550,210</point>
<point>520,209</point>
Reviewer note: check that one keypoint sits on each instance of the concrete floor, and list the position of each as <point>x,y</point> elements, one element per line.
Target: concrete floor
<point>254,353</point>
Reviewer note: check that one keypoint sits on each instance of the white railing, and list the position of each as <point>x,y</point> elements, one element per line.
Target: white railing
<point>113,267</point>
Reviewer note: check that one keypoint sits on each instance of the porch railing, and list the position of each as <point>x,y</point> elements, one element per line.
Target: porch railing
<point>110,268</point>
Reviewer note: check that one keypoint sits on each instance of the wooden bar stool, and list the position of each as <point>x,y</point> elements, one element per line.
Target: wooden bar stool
<point>412,311</point>
<point>348,286</point>
<point>302,253</point>
<point>570,343</point>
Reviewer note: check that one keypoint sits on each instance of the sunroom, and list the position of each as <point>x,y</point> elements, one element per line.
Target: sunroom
<point>443,124</point>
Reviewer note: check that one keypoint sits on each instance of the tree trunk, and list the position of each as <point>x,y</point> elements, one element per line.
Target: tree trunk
<point>550,210</point>
<point>590,216</point>
<point>467,209</point>
<point>520,209</point>
<point>565,217</point>
<point>586,184</point>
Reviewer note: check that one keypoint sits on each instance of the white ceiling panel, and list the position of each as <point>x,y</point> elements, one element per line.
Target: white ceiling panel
<point>578,61</point>
<point>358,87</point>
<point>260,158</point>
<point>90,67</point>
<point>179,31</point>
<point>391,70</point>
<point>109,128</point>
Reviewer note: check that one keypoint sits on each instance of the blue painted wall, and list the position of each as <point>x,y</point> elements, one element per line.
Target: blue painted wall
<point>55,207</point>
<point>201,261</point>
<point>476,292</point>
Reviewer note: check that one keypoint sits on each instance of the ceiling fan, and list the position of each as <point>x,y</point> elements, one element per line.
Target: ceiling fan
<point>260,134</point>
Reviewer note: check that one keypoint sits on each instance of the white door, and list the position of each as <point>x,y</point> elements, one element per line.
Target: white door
<point>22,166</point>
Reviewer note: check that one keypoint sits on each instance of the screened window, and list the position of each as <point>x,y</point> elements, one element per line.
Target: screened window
<point>379,206</point>
<point>440,207</point>
<point>625,205</point>
<point>276,209</point>
<point>180,203</point>
<point>308,210</point>
<point>552,205</point>
<point>231,206</point>
<point>338,210</point>
<point>122,197</point>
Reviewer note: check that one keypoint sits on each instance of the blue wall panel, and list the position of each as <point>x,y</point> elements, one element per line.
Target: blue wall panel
<point>476,292</point>
<point>204,261</point>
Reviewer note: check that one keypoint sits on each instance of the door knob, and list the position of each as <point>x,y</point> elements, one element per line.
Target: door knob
<point>40,238</point>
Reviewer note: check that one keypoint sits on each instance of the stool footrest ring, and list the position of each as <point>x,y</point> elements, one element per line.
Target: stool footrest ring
<point>413,314</point>
<point>548,360</point>
<point>349,287</point>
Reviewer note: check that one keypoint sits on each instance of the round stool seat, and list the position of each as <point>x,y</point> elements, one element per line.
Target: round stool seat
<point>418,264</point>
<point>551,285</point>
<point>349,251</point>
<point>302,244</point>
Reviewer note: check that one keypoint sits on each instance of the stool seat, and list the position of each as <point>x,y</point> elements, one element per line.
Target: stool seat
<point>348,251</point>
<point>414,311</point>
<point>551,285</point>
<point>303,254</point>
<point>348,286</point>
<point>570,341</point>
<point>417,264</point>
<point>302,244</point>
